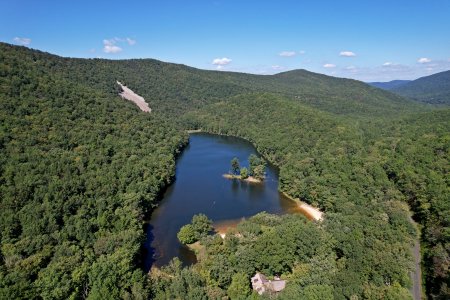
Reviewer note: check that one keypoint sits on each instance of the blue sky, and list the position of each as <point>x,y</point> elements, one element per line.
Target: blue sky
<point>366,40</point>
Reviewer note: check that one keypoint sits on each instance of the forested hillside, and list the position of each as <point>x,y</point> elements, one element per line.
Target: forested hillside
<point>175,89</point>
<point>360,173</point>
<point>433,89</point>
<point>80,168</point>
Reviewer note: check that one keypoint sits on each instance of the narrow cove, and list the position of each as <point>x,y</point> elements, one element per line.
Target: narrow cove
<point>201,188</point>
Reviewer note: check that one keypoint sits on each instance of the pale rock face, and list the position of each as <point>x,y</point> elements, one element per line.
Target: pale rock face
<point>132,96</point>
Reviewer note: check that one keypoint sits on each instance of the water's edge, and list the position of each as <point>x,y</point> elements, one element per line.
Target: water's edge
<point>147,249</point>
<point>416,289</point>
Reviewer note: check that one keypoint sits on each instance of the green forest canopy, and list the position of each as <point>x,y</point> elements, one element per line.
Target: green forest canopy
<point>80,168</point>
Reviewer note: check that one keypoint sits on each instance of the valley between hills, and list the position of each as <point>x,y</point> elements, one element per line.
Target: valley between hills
<point>81,170</point>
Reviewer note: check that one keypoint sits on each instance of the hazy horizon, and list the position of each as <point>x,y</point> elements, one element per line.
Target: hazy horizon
<point>380,41</point>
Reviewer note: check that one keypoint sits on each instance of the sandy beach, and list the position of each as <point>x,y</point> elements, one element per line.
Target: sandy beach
<point>311,211</point>
<point>222,227</point>
<point>248,179</point>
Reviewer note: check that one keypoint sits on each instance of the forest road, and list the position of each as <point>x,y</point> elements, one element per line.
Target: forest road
<point>416,275</point>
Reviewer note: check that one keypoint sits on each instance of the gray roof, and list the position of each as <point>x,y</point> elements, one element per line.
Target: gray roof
<point>278,285</point>
<point>260,283</point>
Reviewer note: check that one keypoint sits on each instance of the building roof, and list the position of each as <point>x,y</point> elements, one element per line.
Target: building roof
<point>261,284</point>
<point>278,285</point>
<point>260,277</point>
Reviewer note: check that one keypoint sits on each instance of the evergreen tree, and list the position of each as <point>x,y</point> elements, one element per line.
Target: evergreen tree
<point>235,167</point>
<point>244,173</point>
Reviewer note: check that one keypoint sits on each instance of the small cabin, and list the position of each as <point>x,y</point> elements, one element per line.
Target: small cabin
<point>261,284</point>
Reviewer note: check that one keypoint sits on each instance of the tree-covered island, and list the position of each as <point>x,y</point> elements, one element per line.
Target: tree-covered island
<point>254,173</point>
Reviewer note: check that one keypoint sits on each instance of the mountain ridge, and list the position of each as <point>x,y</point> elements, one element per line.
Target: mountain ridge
<point>432,89</point>
<point>332,94</point>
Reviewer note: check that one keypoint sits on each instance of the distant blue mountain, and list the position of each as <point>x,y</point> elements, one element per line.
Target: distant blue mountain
<point>389,85</point>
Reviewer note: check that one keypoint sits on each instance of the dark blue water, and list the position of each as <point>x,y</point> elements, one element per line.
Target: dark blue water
<point>200,188</point>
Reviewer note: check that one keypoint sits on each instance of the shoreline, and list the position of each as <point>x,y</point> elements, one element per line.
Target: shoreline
<point>194,131</point>
<point>250,179</point>
<point>221,228</point>
<point>309,210</point>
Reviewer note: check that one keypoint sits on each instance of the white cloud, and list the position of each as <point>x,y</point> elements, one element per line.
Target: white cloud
<point>387,64</point>
<point>221,61</point>
<point>22,41</point>
<point>350,68</point>
<point>423,60</point>
<point>347,53</point>
<point>301,52</point>
<point>287,53</point>
<point>112,49</point>
<point>109,46</point>
<point>328,66</point>
<point>130,41</point>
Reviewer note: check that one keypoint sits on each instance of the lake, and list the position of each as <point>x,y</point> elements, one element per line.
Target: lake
<point>200,188</point>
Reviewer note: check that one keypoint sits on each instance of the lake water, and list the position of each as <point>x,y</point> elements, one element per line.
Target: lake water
<point>200,188</point>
